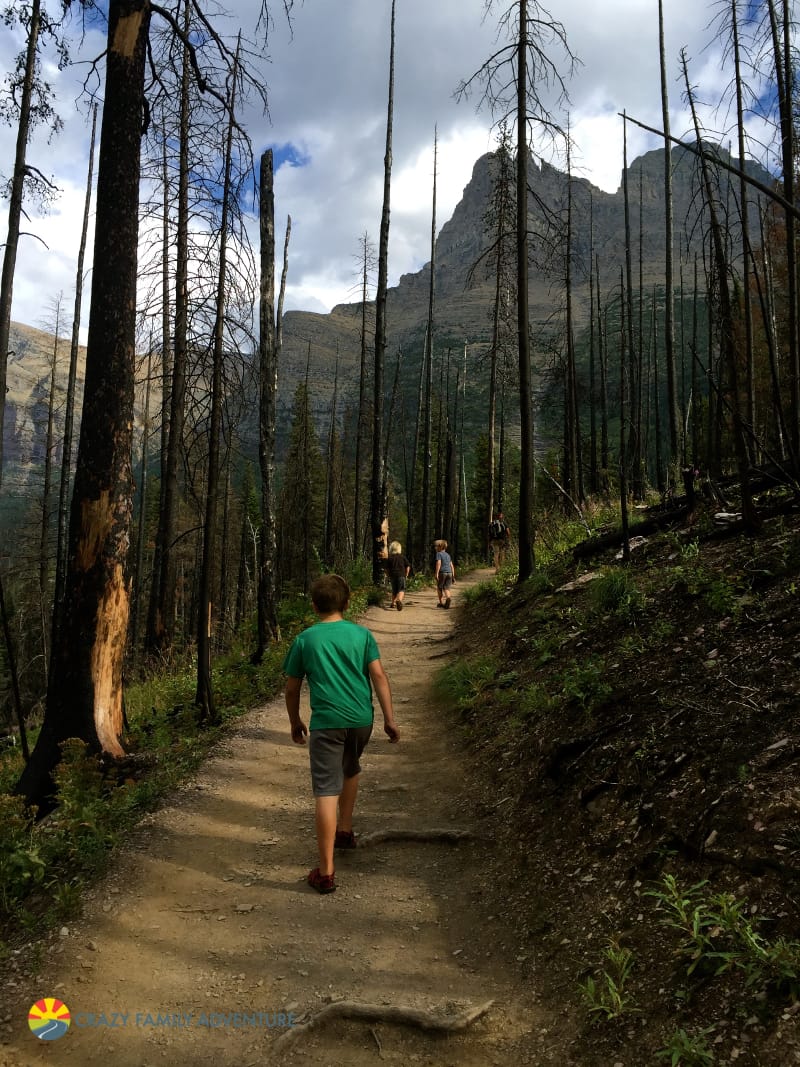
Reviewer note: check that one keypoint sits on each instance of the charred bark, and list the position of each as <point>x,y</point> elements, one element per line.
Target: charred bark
<point>84,697</point>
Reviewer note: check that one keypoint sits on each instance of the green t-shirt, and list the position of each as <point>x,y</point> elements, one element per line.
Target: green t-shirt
<point>334,657</point>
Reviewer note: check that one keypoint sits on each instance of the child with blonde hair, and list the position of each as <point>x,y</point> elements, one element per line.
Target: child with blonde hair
<point>398,568</point>
<point>444,573</point>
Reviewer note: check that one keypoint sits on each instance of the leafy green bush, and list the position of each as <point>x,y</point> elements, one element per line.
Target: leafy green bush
<point>375,596</point>
<point>722,596</point>
<point>722,593</point>
<point>541,581</point>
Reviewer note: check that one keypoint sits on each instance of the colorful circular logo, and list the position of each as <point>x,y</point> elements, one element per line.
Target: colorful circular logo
<point>49,1019</point>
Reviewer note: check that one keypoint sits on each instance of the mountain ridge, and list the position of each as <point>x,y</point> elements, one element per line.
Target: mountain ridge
<point>463,312</point>
<point>316,343</point>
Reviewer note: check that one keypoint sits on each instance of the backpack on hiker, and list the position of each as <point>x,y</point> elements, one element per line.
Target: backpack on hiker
<point>497,530</point>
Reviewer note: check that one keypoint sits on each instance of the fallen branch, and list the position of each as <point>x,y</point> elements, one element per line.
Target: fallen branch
<point>377,837</point>
<point>595,545</point>
<point>385,1013</point>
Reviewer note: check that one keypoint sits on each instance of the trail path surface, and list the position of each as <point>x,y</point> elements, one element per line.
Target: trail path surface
<point>207,921</point>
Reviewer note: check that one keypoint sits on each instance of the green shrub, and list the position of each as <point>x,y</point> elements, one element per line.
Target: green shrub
<point>688,1050</point>
<point>719,935</point>
<point>21,864</point>
<point>605,993</point>
<point>483,594</point>
<point>585,683</point>
<point>616,593</point>
<point>541,581</point>
<point>531,702</point>
<point>462,682</point>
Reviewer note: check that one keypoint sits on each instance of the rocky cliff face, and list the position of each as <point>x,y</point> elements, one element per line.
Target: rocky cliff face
<point>27,402</point>
<point>463,311</point>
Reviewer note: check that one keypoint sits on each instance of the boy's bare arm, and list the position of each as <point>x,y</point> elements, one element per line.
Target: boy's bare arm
<point>296,724</point>
<point>383,692</point>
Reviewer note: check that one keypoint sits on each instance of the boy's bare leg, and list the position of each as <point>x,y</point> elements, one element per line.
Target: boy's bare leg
<point>347,803</point>
<point>325,812</point>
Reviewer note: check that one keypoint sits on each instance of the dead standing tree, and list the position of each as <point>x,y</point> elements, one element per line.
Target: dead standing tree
<point>725,321</point>
<point>204,695</point>
<point>367,258</point>
<point>69,407</point>
<point>377,500</point>
<point>268,349</point>
<point>84,697</point>
<point>498,258</point>
<point>514,79</point>
<point>426,520</point>
<point>673,419</point>
<point>32,98</point>
<point>160,619</point>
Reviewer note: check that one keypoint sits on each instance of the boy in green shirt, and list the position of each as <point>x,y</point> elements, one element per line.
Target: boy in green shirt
<point>342,663</point>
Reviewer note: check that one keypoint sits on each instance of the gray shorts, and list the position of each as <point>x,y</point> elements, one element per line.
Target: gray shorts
<point>335,756</point>
<point>445,581</point>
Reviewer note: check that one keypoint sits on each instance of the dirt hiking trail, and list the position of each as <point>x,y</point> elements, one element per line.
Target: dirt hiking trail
<point>205,932</point>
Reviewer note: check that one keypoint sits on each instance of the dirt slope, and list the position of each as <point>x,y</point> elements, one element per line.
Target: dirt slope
<point>207,920</point>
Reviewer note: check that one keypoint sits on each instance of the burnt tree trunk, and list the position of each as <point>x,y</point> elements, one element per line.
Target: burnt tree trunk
<point>161,612</point>
<point>268,629</point>
<point>673,421</point>
<point>378,523</point>
<point>15,196</point>
<point>84,697</point>
<point>526,487</point>
<point>204,696</point>
<point>72,377</point>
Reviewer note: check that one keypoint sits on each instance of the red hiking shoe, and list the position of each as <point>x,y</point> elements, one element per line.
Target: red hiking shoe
<point>323,883</point>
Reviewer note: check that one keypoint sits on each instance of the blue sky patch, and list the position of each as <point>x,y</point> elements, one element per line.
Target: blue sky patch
<point>289,155</point>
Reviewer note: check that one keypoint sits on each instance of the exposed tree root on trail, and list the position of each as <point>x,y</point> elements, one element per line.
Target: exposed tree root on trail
<point>377,837</point>
<point>385,1013</point>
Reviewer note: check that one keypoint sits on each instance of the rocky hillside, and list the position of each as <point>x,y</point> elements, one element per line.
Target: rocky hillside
<point>463,305</point>
<point>30,365</point>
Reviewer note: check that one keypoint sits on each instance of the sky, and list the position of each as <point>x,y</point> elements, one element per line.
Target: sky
<point>327,82</point>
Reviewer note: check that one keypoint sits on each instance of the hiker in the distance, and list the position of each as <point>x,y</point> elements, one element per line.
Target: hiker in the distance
<point>398,568</point>
<point>342,663</point>
<point>499,540</point>
<point>444,573</point>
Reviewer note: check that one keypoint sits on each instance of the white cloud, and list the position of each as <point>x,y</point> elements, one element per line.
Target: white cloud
<point>327,84</point>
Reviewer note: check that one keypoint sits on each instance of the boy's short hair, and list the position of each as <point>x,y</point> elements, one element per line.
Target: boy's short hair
<point>330,593</point>
<point>440,545</point>
<point>395,548</point>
